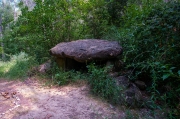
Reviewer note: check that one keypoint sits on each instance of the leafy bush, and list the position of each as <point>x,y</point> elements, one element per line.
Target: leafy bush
<point>64,77</point>
<point>101,84</point>
<point>150,38</point>
<point>116,11</point>
<point>52,22</point>
<point>17,67</point>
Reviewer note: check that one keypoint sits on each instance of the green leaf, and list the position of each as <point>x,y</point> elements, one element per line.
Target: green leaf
<point>179,72</point>
<point>178,90</point>
<point>172,68</point>
<point>165,76</point>
<point>157,63</point>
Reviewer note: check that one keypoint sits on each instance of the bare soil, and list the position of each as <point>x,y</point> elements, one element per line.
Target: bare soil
<point>30,99</point>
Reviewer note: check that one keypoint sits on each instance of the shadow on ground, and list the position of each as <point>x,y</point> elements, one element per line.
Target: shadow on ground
<point>36,101</point>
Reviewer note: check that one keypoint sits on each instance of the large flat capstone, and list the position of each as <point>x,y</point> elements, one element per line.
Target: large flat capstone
<point>87,50</point>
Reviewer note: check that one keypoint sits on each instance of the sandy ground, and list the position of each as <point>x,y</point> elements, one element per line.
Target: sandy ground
<point>31,100</point>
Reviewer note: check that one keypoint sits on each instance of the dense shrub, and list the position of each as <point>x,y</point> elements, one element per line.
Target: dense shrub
<point>150,38</point>
<point>17,67</point>
<point>52,22</point>
<point>101,84</point>
<point>116,11</point>
<point>65,77</point>
<point>149,33</point>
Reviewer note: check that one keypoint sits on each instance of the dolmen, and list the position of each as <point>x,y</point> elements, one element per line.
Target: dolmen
<point>73,54</point>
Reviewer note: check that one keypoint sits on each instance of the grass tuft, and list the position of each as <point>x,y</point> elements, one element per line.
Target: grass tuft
<point>17,67</point>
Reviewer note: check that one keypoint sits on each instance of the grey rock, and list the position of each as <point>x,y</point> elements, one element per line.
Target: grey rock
<point>130,101</point>
<point>113,74</point>
<point>133,96</point>
<point>43,68</point>
<point>130,93</point>
<point>122,81</point>
<point>87,50</point>
<point>140,84</point>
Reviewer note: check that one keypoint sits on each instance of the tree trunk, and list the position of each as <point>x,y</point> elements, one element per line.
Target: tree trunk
<point>1,36</point>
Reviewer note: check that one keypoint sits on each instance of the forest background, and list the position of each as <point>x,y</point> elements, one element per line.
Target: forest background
<point>148,30</point>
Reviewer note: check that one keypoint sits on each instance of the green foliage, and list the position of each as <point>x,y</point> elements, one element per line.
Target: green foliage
<point>64,77</point>
<point>17,67</point>
<point>96,17</point>
<point>150,38</point>
<point>6,12</point>
<point>52,22</point>
<point>116,11</point>
<point>148,30</point>
<point>101,84</point>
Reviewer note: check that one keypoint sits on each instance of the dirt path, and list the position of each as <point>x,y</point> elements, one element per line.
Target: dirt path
<point>32,100</point>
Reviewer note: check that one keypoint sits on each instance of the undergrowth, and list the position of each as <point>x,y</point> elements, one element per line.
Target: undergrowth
<point>101,84</point>
<point>16,67</point>
<point>63,77</point>
<point>149,35</point>
<point>150,38</point>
